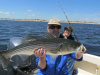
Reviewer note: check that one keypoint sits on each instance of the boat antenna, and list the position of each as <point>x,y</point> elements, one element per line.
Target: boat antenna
<point>68,20</point>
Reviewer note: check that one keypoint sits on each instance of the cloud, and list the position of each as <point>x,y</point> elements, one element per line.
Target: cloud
<point>7,13</point>
<point>1,12</point>
<point>96,20</point>
<point>29,10</point>
<point>86,19</point>
<point>92,19</point>
<point>13,12</point>
<point>25,13</point>
<point>31,15</point>
<point>93,15</point>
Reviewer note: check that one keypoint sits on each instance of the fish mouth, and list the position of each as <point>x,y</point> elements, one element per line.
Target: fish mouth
<point>79,49</point>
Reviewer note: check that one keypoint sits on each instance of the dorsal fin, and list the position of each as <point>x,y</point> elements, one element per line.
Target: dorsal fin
<point>49,36</point>
<point>28,37</point>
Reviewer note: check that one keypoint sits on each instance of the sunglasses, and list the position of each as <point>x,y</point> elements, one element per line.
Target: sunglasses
<point>53,27</point>
<point>68,30</point>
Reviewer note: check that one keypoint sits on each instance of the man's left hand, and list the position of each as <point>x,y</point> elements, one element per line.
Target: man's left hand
<point>80,54</point>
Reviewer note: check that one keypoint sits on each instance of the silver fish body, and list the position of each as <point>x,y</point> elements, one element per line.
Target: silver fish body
<point>55,46</point>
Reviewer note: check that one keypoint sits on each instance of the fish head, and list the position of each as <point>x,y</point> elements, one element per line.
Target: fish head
<point>71,46</point>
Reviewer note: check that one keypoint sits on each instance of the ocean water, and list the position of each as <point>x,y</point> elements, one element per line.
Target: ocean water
<point>88,34</point>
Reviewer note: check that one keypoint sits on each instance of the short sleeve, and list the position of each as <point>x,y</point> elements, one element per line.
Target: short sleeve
<point>37,60</point>
<point>73,55</point>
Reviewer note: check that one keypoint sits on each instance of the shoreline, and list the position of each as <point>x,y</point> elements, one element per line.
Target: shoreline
<point>83,23</point>
<point>48,21</point>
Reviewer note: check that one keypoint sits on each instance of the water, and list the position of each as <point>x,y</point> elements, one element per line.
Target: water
<point>88,34</point>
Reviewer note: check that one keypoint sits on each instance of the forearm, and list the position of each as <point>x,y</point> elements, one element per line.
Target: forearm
<point>42,63</point>
<point>39,53</point>
<point>79,55</point>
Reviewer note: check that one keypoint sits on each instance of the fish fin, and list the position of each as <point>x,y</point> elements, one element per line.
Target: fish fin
<point>1,68</point>
<point>3,61</point>
<point>28,38</point>
<point>49,36</point>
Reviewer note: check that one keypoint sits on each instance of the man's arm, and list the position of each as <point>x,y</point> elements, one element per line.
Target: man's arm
<point>42,55</point>
<point>80,54</point>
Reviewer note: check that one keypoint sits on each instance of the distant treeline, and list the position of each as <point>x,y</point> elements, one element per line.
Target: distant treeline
<point>43,20</point>
<point>20,19</point>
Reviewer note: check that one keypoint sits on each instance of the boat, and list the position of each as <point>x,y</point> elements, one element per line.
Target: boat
<point>89,66</point>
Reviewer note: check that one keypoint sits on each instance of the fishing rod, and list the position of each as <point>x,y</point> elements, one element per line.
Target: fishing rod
<point>68,20</point>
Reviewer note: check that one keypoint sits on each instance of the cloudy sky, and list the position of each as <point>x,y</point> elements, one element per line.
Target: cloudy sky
<point>76,10</point>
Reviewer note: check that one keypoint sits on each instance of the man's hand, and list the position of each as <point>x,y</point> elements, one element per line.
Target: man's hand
<point>41,53</point>
<point>80,54</point>
<point>83,50</point>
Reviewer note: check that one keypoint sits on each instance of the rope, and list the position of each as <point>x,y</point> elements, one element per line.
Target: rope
<point>68,20</point>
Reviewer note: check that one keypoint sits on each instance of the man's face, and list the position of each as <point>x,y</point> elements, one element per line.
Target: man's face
<point>67,33</point>
<point>54,30</point>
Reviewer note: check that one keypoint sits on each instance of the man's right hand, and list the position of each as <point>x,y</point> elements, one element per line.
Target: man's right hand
<point>41,53</point>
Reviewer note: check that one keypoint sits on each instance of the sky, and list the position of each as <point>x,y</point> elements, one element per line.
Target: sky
<point>76,10</point>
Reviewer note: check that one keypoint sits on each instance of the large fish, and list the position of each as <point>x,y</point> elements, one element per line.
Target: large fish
<point>55,46</point>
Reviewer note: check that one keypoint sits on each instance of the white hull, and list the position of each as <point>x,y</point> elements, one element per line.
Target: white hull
<point>89,66</point>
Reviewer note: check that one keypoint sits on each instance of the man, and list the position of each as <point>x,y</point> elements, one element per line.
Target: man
<point>67,33</point>
<point>56,65</point>
<point>54,27</point>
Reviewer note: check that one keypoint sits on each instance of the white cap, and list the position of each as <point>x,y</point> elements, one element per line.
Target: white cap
<point>54,21</point>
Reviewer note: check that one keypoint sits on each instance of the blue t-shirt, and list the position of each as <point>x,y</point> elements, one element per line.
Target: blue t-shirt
<point>59,65</point>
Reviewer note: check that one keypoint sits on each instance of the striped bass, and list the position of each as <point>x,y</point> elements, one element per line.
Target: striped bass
<point>57,46</point>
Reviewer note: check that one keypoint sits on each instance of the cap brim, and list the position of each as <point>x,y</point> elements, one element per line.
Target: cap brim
<point>54,23</point>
